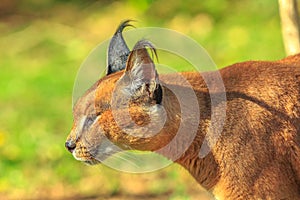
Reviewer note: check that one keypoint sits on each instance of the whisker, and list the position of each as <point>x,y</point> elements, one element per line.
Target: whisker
<point>130,155</point>
<point>124,153</point>
<point>120,157</point>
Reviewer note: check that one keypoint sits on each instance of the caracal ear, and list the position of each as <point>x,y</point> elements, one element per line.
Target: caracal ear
<point>142,73</point>
<point>118,50</point>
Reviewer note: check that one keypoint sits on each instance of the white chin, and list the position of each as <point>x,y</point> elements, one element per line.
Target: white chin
<point>89,162</point>
<point>77,158</point>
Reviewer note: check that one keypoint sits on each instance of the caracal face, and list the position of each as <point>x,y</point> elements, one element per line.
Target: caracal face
<point>122,108</point>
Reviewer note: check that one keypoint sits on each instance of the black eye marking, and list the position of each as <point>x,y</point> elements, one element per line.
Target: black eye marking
<point>89,121</point>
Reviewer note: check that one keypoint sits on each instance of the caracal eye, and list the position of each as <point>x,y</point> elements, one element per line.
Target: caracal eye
<point>89,120</point>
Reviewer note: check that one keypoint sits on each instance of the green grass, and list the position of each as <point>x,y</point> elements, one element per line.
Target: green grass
<point>40,54</point>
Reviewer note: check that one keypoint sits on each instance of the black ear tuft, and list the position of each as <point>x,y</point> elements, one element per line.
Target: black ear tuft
<point>118,50</point>
<point>140,55</point>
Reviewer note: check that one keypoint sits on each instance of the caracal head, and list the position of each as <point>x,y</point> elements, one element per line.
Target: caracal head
<point>123,109</point>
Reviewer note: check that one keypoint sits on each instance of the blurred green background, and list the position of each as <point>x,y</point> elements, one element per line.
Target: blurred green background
<point>43,44</point>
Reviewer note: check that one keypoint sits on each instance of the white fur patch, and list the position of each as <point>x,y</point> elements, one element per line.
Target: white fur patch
<point>74,155</point>
<point>80,126</point>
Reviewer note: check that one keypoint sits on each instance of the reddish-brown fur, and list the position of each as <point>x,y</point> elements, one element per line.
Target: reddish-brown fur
<point>257,155</point>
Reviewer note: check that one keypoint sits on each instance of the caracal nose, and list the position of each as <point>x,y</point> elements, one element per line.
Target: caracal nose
<point>70,145</point>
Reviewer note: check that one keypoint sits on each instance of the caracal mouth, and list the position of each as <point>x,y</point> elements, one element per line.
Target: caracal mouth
<point>87,160</point>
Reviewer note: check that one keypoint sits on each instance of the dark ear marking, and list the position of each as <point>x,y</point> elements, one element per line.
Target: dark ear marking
<point>157,94</point>
<point>141,70</point>
<point>118,50</point>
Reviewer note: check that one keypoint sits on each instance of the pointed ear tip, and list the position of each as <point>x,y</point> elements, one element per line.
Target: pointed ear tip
<point>124,24</point>
<point>127,21</point>
<point>143,44</point>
